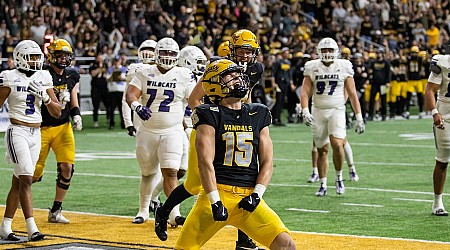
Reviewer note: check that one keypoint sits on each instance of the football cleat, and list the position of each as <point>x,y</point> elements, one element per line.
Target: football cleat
<point>154,204</point>
<point>322,191</point>
<point>178,221</point>
<point>36,236</point>
<point>314,178</point>
<point>354,176</point>
<point>160,226</point>
<point>57,217</point>
<point>8,236</point>
<point>439,211</point>
<point>247,245</point>
<point>340,188</point>
<point>140,218</point>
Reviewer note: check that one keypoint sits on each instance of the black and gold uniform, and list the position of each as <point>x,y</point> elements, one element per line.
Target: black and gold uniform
<point>237,136</point>
<point>57,133</point>
<point>236,169</point>
<point>415,66</point>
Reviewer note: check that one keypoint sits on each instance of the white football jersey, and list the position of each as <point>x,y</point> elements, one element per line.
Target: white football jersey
<point>164,95</point>
<point>132,68</point>
<point>24,106</point>
<point>328,82</point>
<point>443,78</point>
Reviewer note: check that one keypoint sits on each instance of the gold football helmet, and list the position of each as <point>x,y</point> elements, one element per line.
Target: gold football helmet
<point>414,49</point>
<point>224,49</point>
<point>217,87</point>
<point>244,39</point>
<point>60,53</point>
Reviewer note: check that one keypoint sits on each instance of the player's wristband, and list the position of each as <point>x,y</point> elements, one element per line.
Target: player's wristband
<point>359,117</point>
<point>75,111</point>
<point>259,189</point>
<point>305,110</point>
<point>46,98</point>
<point>134,105</point>
<point>213,196</point>
<point>434,111</point>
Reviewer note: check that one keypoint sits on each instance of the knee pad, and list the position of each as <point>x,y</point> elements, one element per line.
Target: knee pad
<point>61,180</point>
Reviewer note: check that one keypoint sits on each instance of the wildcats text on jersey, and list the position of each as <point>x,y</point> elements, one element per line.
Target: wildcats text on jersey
<point>324,77</point>
<point>237,128</point>
<point>171,85</point>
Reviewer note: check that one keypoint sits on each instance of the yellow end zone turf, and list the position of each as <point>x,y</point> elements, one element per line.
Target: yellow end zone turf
<point>118,231</point>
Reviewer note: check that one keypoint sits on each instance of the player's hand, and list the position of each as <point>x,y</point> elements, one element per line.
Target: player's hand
<point>37,90</point>
<point>308,118</point>
<point>220,213</point>
<point>131,130</point>
<point>143,112</point>
<point>64,97</point>
<point>438,121</point>
<point>77,123</point>
<point>250,202</point>
<point>360,127</point>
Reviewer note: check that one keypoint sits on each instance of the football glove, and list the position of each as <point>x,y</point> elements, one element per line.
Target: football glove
<point>64,97</point>
<point>131,131</point>
<point>307,117</point>
<point>37,90</point>
<point>143,112</point>
<point>249,203</point>
<point>77,123</point>
<point>359,127</point>
<point>220,213</point>
<point>298,109</point>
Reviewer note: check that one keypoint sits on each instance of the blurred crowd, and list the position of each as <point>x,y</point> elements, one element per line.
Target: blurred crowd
<point>361,28</point>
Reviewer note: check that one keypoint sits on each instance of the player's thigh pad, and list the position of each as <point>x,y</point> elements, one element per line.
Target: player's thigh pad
<point>199,226</point>
<point>193,183</point>
<point>185,156</point>
<point>47,138</point>
<point>23,145</point>
<point>442,137</point>
<point>147,152</point>
<point>336,124</point>
<point>171,149</point>
<point>319,127</point>
<point>64,144</point>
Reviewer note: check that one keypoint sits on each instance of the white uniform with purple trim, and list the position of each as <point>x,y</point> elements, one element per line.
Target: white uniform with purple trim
<point>160,138</point>
<point>328,95</point>
<point>23,143</point>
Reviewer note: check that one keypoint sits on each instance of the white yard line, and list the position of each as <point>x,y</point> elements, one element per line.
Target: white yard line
<point>307,210</point>
<point>360,205</point>
<point>416,200</point>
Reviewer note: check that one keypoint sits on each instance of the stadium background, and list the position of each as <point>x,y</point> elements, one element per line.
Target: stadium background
<point>118,27</point>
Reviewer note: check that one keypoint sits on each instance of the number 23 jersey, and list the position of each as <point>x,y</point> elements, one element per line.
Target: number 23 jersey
<point>164,95</point>
<point>328,82</point>
<point>236,140</point>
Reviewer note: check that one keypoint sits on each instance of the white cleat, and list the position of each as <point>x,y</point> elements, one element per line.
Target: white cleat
<point>354,176</point>
<point>322,191</point>
<point>57,217</point>
<point>314,178</point>
<point>340,188</point>
<point>439,211</point>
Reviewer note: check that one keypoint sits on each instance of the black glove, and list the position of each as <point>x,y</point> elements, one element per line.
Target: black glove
<point>131,131</point>
<point>220,213</point>
<point>250,202</point>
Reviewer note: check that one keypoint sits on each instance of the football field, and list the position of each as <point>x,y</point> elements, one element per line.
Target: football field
<point>389,208</point>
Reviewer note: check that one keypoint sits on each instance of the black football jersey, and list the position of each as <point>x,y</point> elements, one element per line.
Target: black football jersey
<point>67,80</point>
<point>237,139</point>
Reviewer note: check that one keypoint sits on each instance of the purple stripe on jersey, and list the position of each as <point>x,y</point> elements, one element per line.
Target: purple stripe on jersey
<point>12,151</point>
